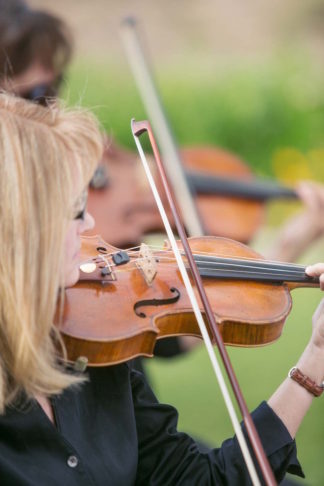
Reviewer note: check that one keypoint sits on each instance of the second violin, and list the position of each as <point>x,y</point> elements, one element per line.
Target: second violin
<point>230,200</point>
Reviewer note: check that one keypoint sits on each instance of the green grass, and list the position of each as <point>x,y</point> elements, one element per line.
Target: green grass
<point>272,115</point>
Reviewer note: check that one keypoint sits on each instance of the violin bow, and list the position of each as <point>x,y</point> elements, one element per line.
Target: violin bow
<point>154,108</point>
<point>138,128</point>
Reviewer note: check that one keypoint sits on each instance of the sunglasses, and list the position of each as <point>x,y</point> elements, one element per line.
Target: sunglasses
<point>43,94</point>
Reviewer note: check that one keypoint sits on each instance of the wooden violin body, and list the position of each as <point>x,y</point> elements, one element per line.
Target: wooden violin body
<point>229,198</point>
<point>130,299</point>
<point>224,215</point>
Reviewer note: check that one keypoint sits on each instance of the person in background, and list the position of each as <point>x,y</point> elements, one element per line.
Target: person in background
<point>35,49</point>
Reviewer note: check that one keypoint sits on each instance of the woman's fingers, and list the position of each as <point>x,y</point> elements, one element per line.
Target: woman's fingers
<point>316,270</point>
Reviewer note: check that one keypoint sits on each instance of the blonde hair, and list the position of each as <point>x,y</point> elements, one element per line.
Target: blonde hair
<point>47,156</point>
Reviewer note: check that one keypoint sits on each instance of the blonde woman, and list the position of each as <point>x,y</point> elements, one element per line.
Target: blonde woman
<point>104,427</point>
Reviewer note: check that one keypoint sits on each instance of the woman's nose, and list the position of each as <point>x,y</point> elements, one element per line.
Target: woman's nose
<point>88,222</point>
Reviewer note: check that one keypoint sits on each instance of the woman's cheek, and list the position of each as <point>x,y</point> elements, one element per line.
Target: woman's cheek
<point>72,274</point>
<point>72,254</point>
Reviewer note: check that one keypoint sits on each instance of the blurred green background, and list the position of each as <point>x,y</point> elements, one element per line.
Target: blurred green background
<point>268,114</point>
<point>246,76</point>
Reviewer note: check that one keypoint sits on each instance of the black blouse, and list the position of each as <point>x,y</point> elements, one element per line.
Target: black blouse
<point>112,431</point>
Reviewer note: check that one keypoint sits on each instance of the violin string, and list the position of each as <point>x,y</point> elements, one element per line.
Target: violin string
<point>259,265</point>
<point>257,276</point>
<point>234,266</point>
<point>247,259</point>
<point>259,262</point>
<point>134,249</point>
<point>159,248</point>
<point>278,277</point>
<point>284,266</point>
<point>239,265</point>
<point>276,262</point>
<point>284,276</point>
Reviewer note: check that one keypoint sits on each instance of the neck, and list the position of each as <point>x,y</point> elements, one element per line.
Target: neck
<point>256,189</point>
<point>255,270</point>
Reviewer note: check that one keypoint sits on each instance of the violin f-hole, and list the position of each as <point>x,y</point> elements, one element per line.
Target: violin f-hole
<point>156,302</point>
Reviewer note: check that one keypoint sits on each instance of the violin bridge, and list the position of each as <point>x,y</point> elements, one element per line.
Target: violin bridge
<point>146,264</point>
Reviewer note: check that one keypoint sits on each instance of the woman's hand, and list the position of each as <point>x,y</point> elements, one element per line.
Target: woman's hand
<point>291,401</point>
<point>317,339</point>
<point>316,270</point>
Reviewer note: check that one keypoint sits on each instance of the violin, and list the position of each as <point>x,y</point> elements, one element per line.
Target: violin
<point>230,200</point>
<point>126,300</point>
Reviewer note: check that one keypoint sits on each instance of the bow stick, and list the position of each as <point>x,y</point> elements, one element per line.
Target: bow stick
<point>153,105</point>
<point>138,128</point>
